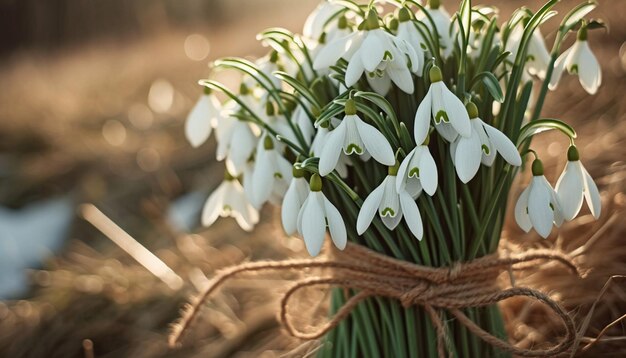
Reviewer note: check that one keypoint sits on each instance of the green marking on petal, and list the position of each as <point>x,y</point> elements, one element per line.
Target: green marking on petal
<point>388,56</point>
<point>441,116</point>
<point>486,149</point>
<point>353,148</point>
<point>227,208</point>
<point>388,212</point>
<point>414,173</point>
<point>573,69</point>
<point>278,175</point>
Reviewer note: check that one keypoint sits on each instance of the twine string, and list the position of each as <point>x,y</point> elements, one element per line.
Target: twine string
<point>370,274</point>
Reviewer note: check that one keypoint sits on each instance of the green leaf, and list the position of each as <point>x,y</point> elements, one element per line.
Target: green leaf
<point>542,125</point>
<point>298,87</point>
<point>326,115</point>
<point>380,102</point>
<point>491,82</point>
<point>576,14</point>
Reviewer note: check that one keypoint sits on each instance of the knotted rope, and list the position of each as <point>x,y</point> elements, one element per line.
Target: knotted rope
<point>463,285</point>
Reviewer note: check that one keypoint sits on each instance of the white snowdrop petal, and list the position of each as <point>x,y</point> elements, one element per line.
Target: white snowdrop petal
<point>539,211</point>
<point>372,49</point>
<point>559,67</point>
<point>239,206</point>
<point>391,222</point>
<point>198,125</point>
<point>336,225</point>
<point>569,190</point>
<point>467,157</point>
<point>447,131</point>
<point>411,215</point>
<point>422,119</point>
<point>592,194</point>
<point>301,214</point>
<point>503,145</point>
<point>428,172</point>
<point>402,78</point>
<point>332,149</point>
<point>224,135</point>
<point>376,143</point>
<point>403,170</point>
<point>380,85</point>
<point>457,114</point>
<point>263,176</point>
<point>521,211</point>
<point>213,206</point>
<point>369,209</point>
<point>589,70</point>
<point>332,52</point>
<point>291,208</point>
<point>242,147</point>
<point>314,223</point>
<point>355,69</point>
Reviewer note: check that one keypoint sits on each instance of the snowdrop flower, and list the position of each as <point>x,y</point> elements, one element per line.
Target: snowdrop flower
<point>440,103</point>
<point>391,204</point>
<point>579,60</point>
<point>354,136</point>
<point>229,200</point>
<point>236,138</point>
<point>316,214</point>
<point>304,123</point>
<point>481,146</point>
<point>409,34</point>
<point>318,145</point>
<point>383,56</point>
<point>271,175</point>
<point>537,56</point>
<point>202,119</point>
<point>442,21</point>
<point>574,184</point>
<point>418,170</point>
<point>268,65</point>
<point>538,205</point>
<point>295,196</point>
<point>314,23</point>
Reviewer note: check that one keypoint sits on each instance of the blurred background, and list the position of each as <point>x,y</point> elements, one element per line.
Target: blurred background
<point>100,193</point>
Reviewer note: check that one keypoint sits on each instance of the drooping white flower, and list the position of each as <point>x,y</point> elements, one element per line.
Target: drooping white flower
<point>392,205</point>
<point>314,23</point>
<point>579,60</point>
<point>574,184</point>
<point>442,21</point>
<point>319,143</point>
<point>295,196</point>
<point>302,120</point>
<point>383,56</point>
<point>481,147</point>
<point>237,138</point>
<point>316,214</point>
<point>354,136</point>
<point>537,56</point>
<point>448,111</point>
<point>271,175</point>
<point>202,119</point>
<point>410,36</point>
<point>418,170</point>
<point>229,199</point>
<point>538,206</point>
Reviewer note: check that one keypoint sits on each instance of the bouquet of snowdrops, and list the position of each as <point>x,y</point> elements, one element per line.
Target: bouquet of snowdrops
<point>400,127</point>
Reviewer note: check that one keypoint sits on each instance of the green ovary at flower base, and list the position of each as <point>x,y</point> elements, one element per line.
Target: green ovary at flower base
<point>322,126</point>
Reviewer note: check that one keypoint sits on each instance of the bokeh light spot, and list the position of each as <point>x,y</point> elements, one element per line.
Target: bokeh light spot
<point>140,116</point>
<point>114,132</point>
<point>148,159</point>
<point>197,47</point>
<point>161,96</point>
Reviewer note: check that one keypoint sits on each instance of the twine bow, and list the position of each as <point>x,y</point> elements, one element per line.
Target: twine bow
<point>463,285</point>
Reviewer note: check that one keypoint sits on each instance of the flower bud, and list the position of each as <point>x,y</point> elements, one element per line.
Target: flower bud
<point>435,74</point>
<point>269,108</point>
<point>371,22</point>
<point>582,33</point>
<point>404,15</point>
<point>572,153</point>
<point>243,89</point>
<point>434,4</point>
<point>316,183</point>
<point>268,143</point>
<point>472,110</point>
<point>537,167</point>
<point>350,108</point>
<point>342,23</point>
<point>297,172</point>
<point>207,91</point>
